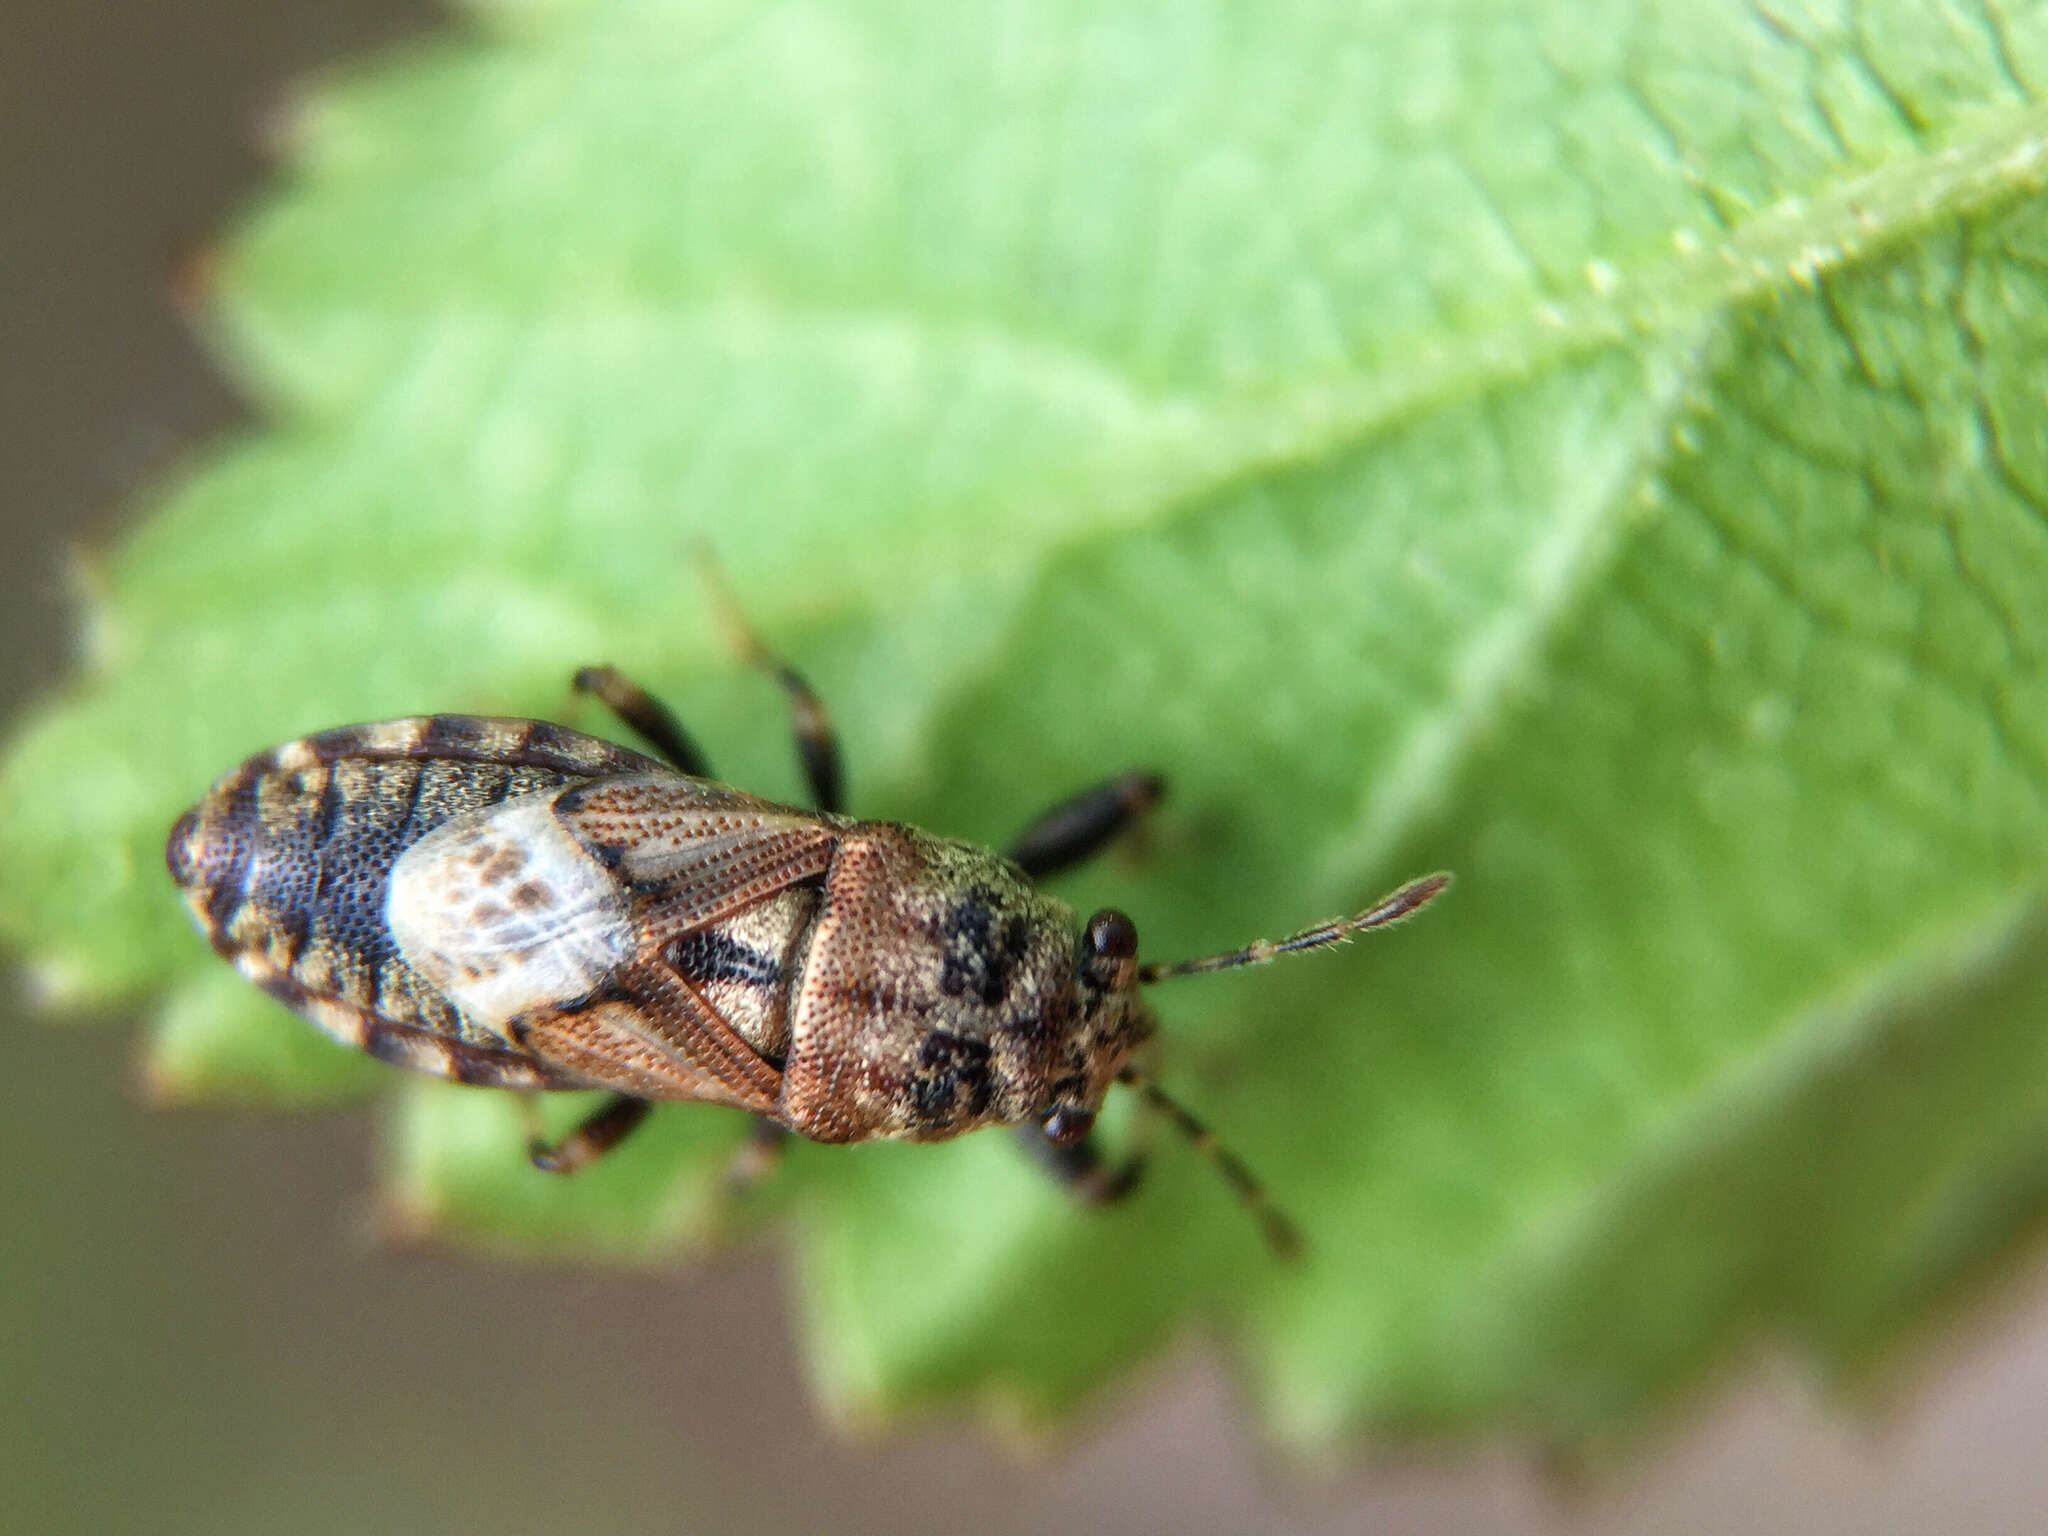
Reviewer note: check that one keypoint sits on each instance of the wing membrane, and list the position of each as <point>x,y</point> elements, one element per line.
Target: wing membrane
<point>506,914</point>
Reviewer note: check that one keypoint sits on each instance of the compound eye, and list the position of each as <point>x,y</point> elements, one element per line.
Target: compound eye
<point>1112,936</point>
<point>1064,1127</point>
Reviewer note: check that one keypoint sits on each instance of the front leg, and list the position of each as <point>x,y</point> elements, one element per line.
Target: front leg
<point>1083,825</point>
<point>1081,1168</point>
<point>756,1157</point>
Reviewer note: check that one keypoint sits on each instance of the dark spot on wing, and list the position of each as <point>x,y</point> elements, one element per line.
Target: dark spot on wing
<point>505,863</point>
<point>570,800</point>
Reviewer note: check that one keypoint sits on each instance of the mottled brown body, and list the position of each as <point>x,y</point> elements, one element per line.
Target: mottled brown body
<point>512,904</point>
<point>506,902</point>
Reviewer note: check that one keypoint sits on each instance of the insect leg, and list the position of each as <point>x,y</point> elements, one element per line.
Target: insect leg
<point>1281,1234</point>
<point>1080,1167</point>
<point>817,744</point>
<point>757,1156</point>
<point>1082,826</point>
<point>611,1124</point>
<point>646,714</point>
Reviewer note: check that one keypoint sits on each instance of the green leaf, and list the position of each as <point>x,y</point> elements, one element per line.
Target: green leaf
<point>1599,450</point>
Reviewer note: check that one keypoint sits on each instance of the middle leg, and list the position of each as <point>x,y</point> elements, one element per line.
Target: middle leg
<point>817,744</point>
<point>611,1123</point>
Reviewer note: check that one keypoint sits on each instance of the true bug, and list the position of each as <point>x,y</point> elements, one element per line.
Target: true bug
<point>510,903</point>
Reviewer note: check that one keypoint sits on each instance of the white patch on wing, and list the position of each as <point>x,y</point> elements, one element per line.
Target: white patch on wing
<point>505,912</point>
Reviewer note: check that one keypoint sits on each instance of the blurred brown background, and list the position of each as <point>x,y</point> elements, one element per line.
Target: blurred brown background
<point>195,1333</point>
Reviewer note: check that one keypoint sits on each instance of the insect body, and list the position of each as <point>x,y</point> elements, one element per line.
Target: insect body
<point>509,903</point>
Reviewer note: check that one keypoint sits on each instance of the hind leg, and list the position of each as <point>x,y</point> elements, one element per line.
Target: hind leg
<point>653,720</point>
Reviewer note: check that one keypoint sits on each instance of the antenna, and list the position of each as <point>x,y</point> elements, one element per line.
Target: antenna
<point>1281,1233</point>
<point>1405,902</point>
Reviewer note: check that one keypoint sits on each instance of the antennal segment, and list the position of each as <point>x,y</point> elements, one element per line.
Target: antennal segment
<point>1405,902</point>
<point>1281,1234</point>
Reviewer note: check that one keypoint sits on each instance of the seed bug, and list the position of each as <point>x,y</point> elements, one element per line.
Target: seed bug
<point>514,904</point>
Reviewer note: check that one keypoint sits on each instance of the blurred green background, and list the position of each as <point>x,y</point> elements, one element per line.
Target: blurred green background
<point>198,1331</point>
